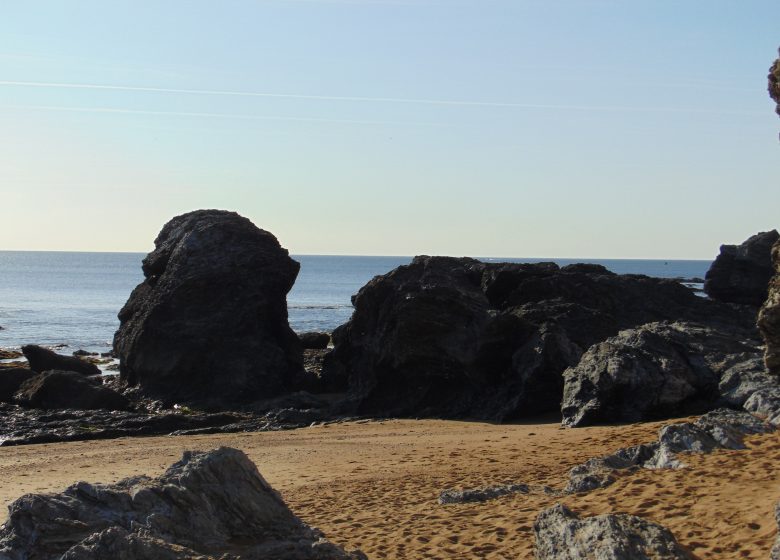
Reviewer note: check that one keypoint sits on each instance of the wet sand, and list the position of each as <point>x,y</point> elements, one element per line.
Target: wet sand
<point>374,485</point>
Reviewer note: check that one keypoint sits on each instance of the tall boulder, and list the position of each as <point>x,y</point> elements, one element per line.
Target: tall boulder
<point>741,273</point>
<point>209,322</point>
<point>769,318</point>
<point>461,338</point>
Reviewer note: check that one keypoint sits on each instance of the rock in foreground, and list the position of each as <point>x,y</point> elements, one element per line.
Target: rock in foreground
<point>206,505</point>
<point>741,273</point>
<point>562,535</point>
<point>209,322</point>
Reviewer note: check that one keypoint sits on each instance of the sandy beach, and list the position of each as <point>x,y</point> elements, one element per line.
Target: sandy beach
<point>374,485</point>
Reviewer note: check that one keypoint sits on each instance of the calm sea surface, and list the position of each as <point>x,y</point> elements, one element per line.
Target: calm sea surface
<point>71,299</point>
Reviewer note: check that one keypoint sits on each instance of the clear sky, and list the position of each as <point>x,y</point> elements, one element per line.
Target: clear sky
<point>516,128</point>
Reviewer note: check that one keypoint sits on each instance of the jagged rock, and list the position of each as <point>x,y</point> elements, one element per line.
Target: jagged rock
<point>743,379</point>
<point>653,371</point>
<point>741,273</point>
<point>598,472</point>
<point>769,318</point>
<point>718,429</point>
<point>42,359</point>
<point>209,322</point>
<point>563,535</point>
<point>207,504</point>
<point>766,403</point>
<point>68,389</point>
<point>10,381</point>
<point>457,337</point>
<point>314,340</point>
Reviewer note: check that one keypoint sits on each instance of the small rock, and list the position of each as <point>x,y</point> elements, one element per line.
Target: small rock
<point>41,359</point>
<point>57,389</point>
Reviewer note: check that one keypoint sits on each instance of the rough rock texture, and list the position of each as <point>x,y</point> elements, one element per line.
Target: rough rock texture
<point>457,337</point>
<point>562,535</point>
<point>719,429</point>
<point>314,340</point>
<point>43,359</point>
<point>765,403</point>
<point>207,504</point>
<point>741,273</point>
<point>473,495</point>
<point>597,472</point>
<point>769,318</point>
<point>10,381</point>
<point>209,322</point>
<point>653,371</point>
<point>67,389</point>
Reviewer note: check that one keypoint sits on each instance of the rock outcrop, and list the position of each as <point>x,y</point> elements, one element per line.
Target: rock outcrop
<point>563,535</point>
<point>656,370</point>
<point>42,359</point>
<point>741,273</point>
<point>208,505</point>
<point>769,318</point>
<point>458,337</point>
<point>10,381</point>
<point>209,322</point>
<point>67,389</point>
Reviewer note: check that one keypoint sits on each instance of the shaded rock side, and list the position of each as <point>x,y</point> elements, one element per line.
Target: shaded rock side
<point>206,505</point>
<point>563,535</point>
<point>656,370</point>
<point>458,337</point>
<point>42,359</point>
<point>10,381</point>
<point>209,322</point>
<point>769,318</point>
<point>67,389</point>
<point>741,273</point>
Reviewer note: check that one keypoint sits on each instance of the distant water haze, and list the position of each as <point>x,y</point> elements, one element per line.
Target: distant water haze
<point>72,299</point>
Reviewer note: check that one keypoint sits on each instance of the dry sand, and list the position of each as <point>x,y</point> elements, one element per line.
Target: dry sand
<point>374,485</point>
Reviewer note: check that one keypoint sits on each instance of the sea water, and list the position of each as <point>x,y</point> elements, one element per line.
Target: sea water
<point>71,300</point>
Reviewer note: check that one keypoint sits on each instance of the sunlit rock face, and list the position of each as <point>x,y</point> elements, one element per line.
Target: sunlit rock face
<point>209,322</point>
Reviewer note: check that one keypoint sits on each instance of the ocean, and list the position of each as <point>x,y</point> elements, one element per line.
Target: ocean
<point>69,301</point>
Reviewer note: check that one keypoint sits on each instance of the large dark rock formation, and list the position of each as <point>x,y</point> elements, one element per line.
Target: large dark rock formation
<point>741,273</point>
<point>563,535</point>
<point>205,506</point>
<point>656,370</point>
<point>458,337</point>
<point>42,359</point>
<point>209,322</point>
<point>67,389</point>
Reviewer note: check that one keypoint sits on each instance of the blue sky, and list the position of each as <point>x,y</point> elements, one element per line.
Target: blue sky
<point>612,129</point>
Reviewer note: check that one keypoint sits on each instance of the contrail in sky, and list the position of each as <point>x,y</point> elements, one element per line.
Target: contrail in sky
<point>214,115</point>
<point>415,101</point>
